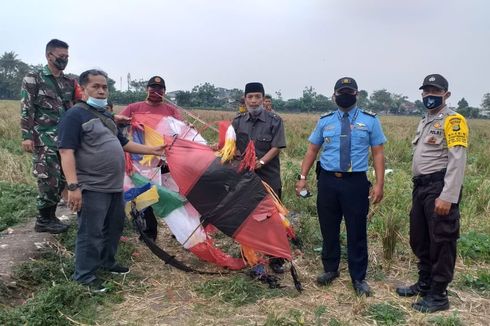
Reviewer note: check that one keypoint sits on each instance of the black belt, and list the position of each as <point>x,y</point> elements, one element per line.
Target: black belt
<point>425,179</point>
<point>342,174</point>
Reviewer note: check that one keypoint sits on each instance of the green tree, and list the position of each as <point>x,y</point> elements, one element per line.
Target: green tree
<point>363,99</point>
<point>381,101</point>
<point>205,95</point>
<point>138,85</point>
<point>184,98</point>
<point>12,70</point>
<point>462,104</point>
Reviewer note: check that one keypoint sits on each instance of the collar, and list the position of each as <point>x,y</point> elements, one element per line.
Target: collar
<point>352,112</point>
<point>261,116</point>
<point>47,72</point>
<point>439,116</point>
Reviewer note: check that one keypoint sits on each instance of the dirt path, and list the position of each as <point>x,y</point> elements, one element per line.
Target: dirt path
<point>20,243</point>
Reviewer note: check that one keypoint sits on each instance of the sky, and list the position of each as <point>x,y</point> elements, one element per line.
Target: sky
<point>285,44</point>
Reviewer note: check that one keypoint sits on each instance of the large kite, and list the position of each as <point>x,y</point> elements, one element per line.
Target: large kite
<point>202,191</point>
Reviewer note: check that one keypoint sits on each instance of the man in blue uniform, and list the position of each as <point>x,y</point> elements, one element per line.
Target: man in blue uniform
<point>343,188</point>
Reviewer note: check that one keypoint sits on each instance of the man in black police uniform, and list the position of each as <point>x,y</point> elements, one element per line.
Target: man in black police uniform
<point>266,130</point>
<point>343,188</point>
<point>439,159</point>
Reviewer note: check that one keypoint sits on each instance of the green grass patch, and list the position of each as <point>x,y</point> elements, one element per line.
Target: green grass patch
<point>47,269</point>
<point>237,290</point>
<point>479,282</point>
<point>452,320</point>
<point>17,203</point>
<point>474,246</point>
<point>386,314</point>
<point>56,299</point>
<point>293,317</point>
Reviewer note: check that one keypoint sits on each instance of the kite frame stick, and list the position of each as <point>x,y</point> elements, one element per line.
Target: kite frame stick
<point>192,115</point>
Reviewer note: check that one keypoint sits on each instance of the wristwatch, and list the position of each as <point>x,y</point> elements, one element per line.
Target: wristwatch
<point>261,162</point>
<point>73,186</point>
<point>301,177</point>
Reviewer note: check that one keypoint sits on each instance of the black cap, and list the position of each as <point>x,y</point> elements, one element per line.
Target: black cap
<point>254,88</point>
<point>345,82</point>
<point>435,80</point>
<point>156,81</point>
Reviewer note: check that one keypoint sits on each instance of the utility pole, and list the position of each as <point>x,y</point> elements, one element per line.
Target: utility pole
<point>129,80</point>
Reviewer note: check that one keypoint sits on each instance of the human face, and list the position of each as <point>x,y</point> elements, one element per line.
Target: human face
<point>431,90</point>
<point>268,104</point>
<point>349,91</point>
<point>96,87</point>
<point>254,100</point>
<point>57,58</point>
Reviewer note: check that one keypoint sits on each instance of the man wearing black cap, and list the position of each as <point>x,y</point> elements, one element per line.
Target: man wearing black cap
<point>343,187</point>
<point>154,101</point>
<point>153,104</point>
<point>439,158</point>
<point>266,130</point>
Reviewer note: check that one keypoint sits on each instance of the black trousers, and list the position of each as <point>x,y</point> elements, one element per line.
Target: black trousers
<point>433,237</point>
<point>345,196</point>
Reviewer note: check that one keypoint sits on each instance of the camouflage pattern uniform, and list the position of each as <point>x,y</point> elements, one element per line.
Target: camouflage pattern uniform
<point>41,111</point>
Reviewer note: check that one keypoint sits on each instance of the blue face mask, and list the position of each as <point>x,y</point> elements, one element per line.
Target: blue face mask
<point>97,103</point>
<point>432,101</point>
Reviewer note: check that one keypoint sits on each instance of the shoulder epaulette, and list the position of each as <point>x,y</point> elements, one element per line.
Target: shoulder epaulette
<point>326,114</point>
<point>239,114</point>
<point>370,113</point>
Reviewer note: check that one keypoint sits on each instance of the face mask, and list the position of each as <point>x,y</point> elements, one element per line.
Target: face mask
<point>97,103</point>
<point>432,101</point>
<point>155,96</point>
<point>345,100</point>
<point>255,112</point>
<point>60,63</point>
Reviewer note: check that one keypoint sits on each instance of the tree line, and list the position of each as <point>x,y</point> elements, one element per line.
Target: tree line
<point>206,95</point>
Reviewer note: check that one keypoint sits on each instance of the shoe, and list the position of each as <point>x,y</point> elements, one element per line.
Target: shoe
<point>327,277</point>
<point>362,288</point>
<point>419,288</point>
<point>50,227</point>
<point>277,265</point>
<point>432,303</point>
<point>118,269</point>
<point>96,286</point>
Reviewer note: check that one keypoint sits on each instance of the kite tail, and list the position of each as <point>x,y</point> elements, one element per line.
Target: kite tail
<point>248,161</point>
<point>277,202</point>
<point>129,164</point>
<point>228,150</point>
<point>294,275</point>
<point>249,255</point>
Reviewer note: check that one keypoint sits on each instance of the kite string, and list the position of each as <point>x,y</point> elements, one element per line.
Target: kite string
<point>192,115</point>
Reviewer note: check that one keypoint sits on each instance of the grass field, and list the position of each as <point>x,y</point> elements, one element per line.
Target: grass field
<point>157,294</point>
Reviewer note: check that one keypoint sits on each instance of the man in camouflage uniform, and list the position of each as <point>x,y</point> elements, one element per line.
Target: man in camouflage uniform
<point>45,95</point>
<point>439,159</point>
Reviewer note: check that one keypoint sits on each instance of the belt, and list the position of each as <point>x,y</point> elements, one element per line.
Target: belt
<point>425,179</point>
<point>342,174</point>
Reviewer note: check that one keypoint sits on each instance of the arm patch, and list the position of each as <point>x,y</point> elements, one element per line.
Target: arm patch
<point>456,131</point>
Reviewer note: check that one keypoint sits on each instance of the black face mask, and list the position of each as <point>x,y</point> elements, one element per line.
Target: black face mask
<point>60,63</point>
<point>345,100</point>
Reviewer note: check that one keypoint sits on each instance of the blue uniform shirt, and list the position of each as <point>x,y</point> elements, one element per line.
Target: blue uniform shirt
<point>366,132</point>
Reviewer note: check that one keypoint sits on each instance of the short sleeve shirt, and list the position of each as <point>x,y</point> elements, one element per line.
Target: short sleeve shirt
<point>366,131</point>
<point>163,109</point>
<point>99,155</point>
